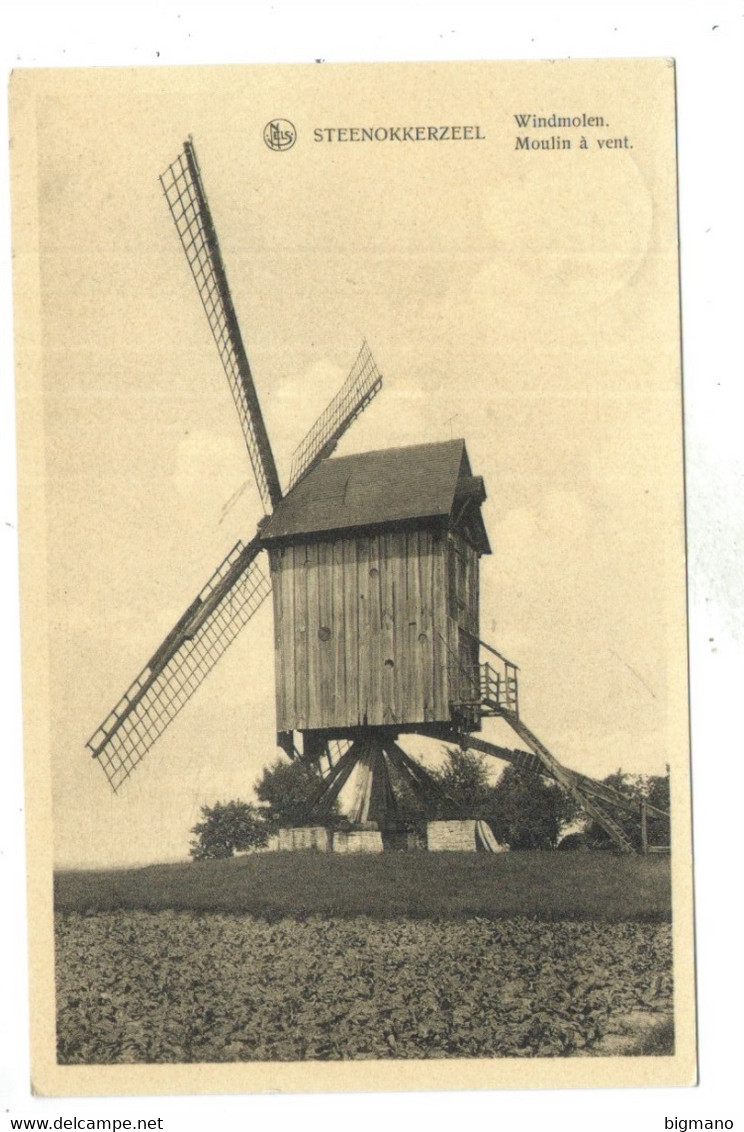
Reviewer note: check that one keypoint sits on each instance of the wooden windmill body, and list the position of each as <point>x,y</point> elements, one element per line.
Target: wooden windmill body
<point>374,569</point>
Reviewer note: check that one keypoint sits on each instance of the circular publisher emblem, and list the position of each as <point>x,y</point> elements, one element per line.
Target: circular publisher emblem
<point>279,134</point>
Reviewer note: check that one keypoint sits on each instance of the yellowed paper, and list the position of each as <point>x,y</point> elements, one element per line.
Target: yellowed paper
<point>504,238</point>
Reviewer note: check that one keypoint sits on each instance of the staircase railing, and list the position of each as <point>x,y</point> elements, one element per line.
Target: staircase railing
<point>486,688</point>
<point>499,688</point>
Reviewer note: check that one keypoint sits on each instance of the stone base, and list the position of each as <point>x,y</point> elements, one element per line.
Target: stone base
<point>358,841</point>
<point>315,837</point>
<point>463,836</point>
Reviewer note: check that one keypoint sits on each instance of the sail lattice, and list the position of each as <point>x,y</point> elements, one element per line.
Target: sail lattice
<point>362,384</point>
<point>212,622</point>
<point>188,206</point>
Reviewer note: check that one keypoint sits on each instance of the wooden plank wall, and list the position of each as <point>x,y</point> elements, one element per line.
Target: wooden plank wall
<point>464,615</point>
<point>360,631</point>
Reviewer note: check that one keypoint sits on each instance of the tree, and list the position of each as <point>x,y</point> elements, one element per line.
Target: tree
<point>657,790</point>
<point>528,812</point>
<point>464,777</point>
<point>227,828</point>
<point>288,791</point>
<point>524,810</point>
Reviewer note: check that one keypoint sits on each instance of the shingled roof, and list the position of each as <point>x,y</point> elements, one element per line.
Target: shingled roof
<point>371,489</point>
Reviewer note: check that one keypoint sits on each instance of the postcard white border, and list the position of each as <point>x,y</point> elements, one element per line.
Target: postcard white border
<point>708,70</point>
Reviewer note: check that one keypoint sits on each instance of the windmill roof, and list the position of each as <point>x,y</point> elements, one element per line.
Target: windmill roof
<point>393,485</point>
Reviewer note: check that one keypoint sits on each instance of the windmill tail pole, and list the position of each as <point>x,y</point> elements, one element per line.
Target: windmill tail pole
<point>543,762</point>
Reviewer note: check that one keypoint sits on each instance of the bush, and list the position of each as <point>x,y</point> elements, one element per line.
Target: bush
<point>528,812</point>
<point>227,828</point>
<point>289,791</point>
<point>573,842</point>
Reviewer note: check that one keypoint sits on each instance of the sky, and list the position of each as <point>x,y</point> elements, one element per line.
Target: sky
<point>524,301</point>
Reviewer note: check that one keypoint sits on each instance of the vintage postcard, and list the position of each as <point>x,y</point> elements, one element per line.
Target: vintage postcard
<point>353,577</point>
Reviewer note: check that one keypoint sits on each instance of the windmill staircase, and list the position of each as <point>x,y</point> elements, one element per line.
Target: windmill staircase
<point>492,690</point>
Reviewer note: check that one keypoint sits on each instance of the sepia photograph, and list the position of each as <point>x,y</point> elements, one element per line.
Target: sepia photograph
<point>353,576</point>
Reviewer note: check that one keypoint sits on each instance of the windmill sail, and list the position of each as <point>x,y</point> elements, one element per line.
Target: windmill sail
<point>190,651</point>
<point>362,384</point>
<point>190,211</point>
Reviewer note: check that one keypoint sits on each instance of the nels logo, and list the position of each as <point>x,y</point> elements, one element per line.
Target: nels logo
<point>279,134</point>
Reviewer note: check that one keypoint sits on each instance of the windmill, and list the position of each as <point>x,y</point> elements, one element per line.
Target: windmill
<point>374,571</point>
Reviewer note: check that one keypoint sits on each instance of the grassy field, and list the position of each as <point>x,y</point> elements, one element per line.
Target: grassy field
<point>600,887</point>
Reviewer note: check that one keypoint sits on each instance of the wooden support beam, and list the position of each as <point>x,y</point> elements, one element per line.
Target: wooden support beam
<point>359,813</point>
<point>383,808</point>
<point>422,782</point>
<point>523,760</point>
<point>391,804</point>
<point>333,785</point>
<point>403,770</point>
